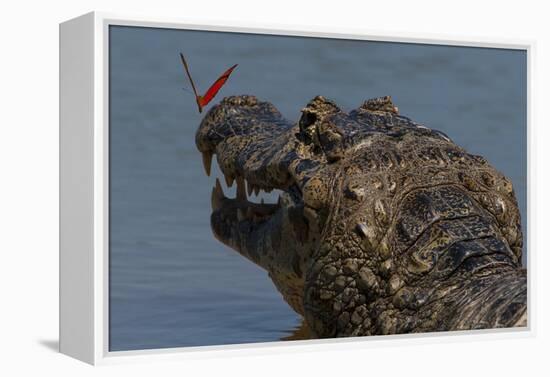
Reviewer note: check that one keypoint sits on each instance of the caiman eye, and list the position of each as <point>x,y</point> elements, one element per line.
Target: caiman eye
<point>306,123</point>
<point>331,141</point>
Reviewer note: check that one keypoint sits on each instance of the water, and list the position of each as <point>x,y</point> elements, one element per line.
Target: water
<point>171,283</point>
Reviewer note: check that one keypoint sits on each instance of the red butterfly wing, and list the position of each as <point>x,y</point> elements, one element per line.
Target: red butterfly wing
<point>215,88</point>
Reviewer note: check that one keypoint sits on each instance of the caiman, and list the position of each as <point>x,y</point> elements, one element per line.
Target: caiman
<point>383,225</point>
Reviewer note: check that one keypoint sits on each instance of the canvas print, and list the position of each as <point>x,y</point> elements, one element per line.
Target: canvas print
<point>276,188</point>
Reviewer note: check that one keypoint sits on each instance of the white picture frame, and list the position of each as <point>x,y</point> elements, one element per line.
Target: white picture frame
<point>84,189</point>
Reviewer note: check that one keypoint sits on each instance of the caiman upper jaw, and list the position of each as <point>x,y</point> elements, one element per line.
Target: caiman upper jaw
<point>245,147</point>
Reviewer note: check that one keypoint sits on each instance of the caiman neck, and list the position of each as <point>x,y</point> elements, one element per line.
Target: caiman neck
<point>487,300</point>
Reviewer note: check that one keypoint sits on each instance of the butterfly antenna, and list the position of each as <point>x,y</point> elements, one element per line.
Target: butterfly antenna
<point>184,62</point>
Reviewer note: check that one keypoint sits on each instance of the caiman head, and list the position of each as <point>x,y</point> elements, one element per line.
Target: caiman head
<point>382,225</point>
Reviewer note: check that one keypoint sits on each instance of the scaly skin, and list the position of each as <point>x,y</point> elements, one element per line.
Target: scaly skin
<point>383,226</point>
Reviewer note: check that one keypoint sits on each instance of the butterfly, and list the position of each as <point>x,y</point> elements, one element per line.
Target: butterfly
<point>214,88</point>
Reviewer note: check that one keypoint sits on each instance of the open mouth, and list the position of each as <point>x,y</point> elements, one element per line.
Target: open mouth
<point>240,222</point>
<point>240,207</point>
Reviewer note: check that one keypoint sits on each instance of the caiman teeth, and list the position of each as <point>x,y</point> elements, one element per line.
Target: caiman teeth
<point>249,188</point>
<point>217,196</point>
<point>207,162</point>
<point>228,180</point>
<point>256,190</point>
<point>241,193</point>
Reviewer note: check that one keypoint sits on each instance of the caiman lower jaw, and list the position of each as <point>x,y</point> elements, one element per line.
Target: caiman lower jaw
<point>240,223</point>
